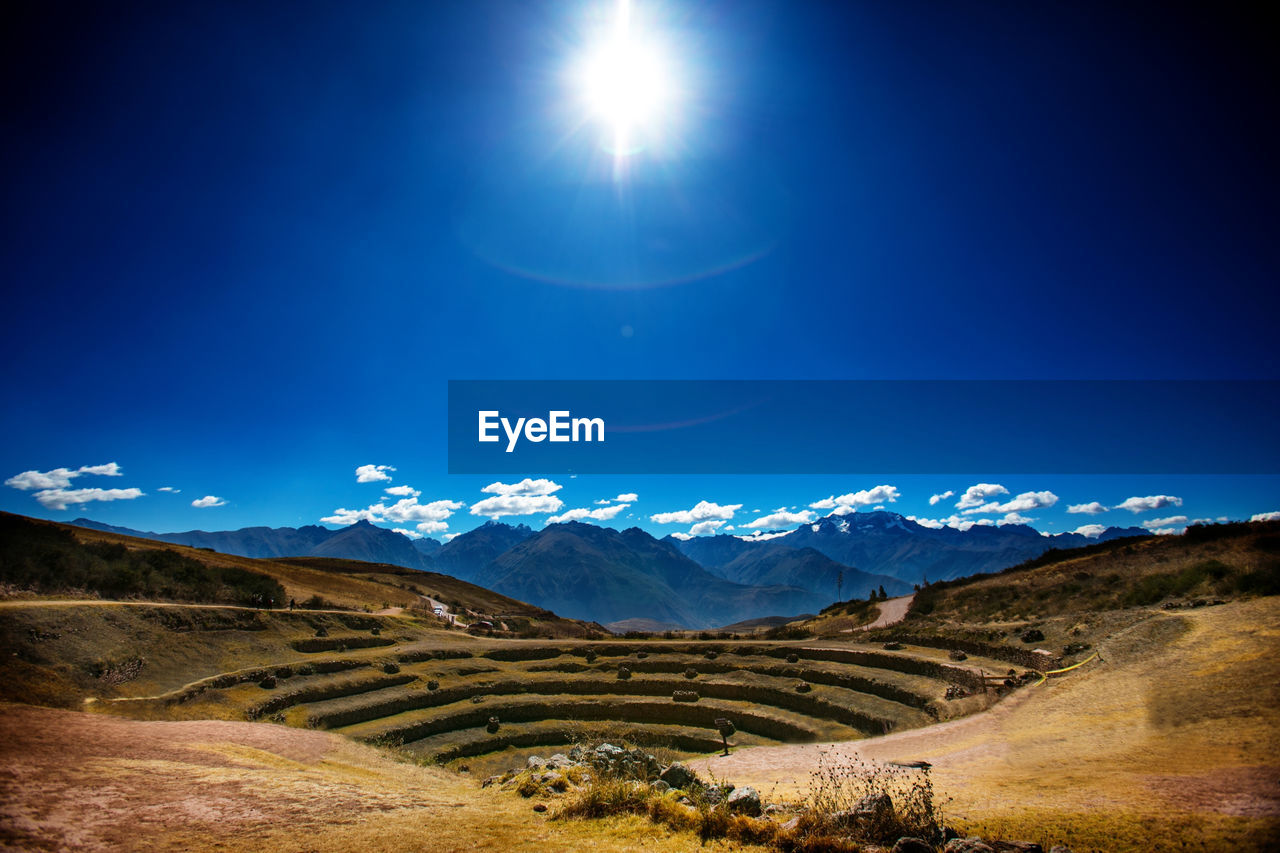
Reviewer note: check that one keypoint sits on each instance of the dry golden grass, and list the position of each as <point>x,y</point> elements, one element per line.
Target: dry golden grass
<point>1171,736</point>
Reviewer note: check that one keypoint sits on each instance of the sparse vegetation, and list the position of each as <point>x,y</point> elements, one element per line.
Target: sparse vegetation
<point>47,558</point>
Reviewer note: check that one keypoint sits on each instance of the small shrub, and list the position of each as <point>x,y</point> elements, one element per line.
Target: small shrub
<point>690,673</point>
<point>391,668</point>
<point>624,672</point>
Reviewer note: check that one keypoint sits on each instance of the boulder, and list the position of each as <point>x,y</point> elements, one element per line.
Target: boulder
<point>972,844</point>
<point>559,760</point>
<point>911,845</point>
<point>1059,848</point>
<point>660,786</point>
<point>744,800</point>
<point>1031,635</point>
<point>678,776</point>
<point>536,762</point>
<point>1016,847</point>
<point>576,753</point>
<point>874,807</point>
<point>717,793</point>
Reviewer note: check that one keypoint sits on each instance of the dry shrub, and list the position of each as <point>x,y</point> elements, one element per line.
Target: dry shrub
<point>839,788</point>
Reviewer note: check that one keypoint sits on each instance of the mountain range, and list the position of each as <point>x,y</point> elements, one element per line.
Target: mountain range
<point>597,573</point>
<point>359,541</point>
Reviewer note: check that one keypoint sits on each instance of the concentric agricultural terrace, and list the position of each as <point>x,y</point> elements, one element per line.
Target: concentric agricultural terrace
<point>459,701</point>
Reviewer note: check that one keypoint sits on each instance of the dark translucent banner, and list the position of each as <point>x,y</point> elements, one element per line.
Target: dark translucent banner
<point>863,427</point>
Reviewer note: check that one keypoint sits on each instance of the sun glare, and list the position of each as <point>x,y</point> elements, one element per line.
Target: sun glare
<point>625,81</point>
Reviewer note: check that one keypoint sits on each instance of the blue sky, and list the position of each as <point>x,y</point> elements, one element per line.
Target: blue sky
<point>246,248</point>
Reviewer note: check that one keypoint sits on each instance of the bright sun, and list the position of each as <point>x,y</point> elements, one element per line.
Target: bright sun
<point>625,81</point>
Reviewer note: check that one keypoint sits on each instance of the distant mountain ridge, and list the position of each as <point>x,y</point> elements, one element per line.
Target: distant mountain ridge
<point>609,576</point>
<point>359,541</point>
<point>576,568</point>
<point>886,543</point>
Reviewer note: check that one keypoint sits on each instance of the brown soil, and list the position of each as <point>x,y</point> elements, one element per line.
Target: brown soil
<point>77,781</point>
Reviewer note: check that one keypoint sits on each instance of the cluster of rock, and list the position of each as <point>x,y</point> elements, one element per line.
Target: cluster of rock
<point>581,765</point>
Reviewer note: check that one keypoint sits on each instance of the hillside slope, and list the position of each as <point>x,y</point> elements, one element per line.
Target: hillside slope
<point>1167,742</point>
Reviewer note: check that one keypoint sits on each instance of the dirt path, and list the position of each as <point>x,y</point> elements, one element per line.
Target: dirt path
<point>892,612</point>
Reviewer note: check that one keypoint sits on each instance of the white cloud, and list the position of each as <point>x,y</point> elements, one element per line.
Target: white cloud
<point>1022,503</point>
<point>59,478</point>
<point>1014,518</point>
<point>760,536</point>
<point>1091,531</point>
<point>403,491</point>
<point>1091,508</point>
<point>404,511</point>
<point>977,494</point>
<point>708,526</point>
<point>1266,516</point>
<point>412,534</point>
<point>408,509</point>
<point>866,497</point>
<point>208,501</point>
<point>603,502</point>
<point>373,473</point>
<point>448,537</point>
<point>433,526</point>
<point>1136,504</point>
<point>501,505</point>
<point>956,522</point>
<point>169,489</point>
<point>1170,522</point>
<point>525,487</point>
<point>781,519</point>
<point>936,499</point>
<point>627,498</point>
<point>60,498</point>
<point>683,537</point>
<point>703,511</point>
<point>111,469</point>
<point>601,514</point>
<point>344,517</point>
